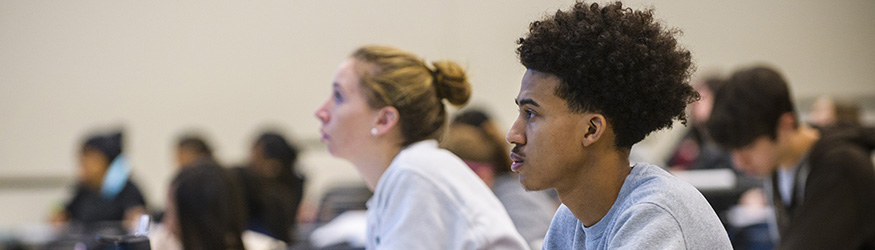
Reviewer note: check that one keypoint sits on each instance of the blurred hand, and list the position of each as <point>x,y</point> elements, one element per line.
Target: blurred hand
<point>132,218</point>
<point>753,197</point>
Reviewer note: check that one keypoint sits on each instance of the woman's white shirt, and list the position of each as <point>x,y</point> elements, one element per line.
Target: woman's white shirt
<point>429,199</point>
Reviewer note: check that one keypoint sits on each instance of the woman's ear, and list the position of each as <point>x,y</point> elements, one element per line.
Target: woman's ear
<point>387,118</point>
<point>594,127</point>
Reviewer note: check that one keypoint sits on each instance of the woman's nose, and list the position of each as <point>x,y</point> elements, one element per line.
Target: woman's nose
<point>322,113</point>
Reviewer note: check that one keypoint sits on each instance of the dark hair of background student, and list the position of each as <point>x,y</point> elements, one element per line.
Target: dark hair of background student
<point>272,186</point>
<point>748,107</point>
<point>195,144</point>
<point>209,208</point>
<point>192,148</point>
<point>274,146</point>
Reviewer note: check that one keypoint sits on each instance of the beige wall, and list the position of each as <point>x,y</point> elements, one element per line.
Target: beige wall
<point>228,68</point>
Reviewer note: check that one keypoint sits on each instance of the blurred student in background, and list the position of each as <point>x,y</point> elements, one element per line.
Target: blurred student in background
<point>474,138</point>
<point>272,186</point>
<point>205,211</point>
<point>192,148</point>
<point>827,112</point>
<point>104,194</point>
<point>820,182</point>
<point>384,113</point>
<point>696,149</point>
<point>740,208</point>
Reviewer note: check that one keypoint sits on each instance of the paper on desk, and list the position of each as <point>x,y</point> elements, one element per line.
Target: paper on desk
<point>349,227</point>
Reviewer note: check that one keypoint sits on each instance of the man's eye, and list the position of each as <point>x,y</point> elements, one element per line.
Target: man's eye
<point>529,114</point>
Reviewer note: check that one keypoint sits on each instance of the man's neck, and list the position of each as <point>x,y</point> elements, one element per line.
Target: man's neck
<point>595,189</point>
<point>798,145</point>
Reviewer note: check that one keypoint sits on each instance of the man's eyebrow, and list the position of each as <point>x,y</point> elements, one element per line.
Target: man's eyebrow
<point>525,101</point>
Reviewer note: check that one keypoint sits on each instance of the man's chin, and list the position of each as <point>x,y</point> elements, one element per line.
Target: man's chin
<point>530,185</point>
<point>756,174</point>
<point>752,173</point>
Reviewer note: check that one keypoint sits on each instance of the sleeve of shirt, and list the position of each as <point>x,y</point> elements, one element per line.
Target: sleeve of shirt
<point>647,226</point>
<point>417,216</point>
<point>131,197</point>
<point>73,204</point>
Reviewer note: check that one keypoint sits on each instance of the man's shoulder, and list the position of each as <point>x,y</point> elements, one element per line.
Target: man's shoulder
<point>843,145</point>
<point>652,184</point>
<point>563,230</point>
<point>840,158</point>
<point>564,217</point>
<point>658,192</point>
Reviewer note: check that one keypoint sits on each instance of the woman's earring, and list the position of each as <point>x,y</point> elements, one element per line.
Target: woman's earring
<point>374,131</point>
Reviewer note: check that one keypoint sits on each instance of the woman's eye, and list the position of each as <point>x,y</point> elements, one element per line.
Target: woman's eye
<point>337,97</point>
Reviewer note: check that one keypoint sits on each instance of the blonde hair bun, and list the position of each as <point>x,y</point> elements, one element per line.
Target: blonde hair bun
<point>451,82</point>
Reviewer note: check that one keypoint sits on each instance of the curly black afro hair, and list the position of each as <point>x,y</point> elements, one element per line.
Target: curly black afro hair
<point>615,61</point>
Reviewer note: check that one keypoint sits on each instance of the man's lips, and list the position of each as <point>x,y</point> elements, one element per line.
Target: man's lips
<point>518,161</point>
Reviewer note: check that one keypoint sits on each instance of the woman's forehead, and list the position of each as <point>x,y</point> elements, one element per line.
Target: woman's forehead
<point>347,78</point>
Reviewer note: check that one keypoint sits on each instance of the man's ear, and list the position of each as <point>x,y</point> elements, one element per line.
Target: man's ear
<point>787,120</point>
<point>594,127</point>
<point>387,118</point>
<point>786,123</point>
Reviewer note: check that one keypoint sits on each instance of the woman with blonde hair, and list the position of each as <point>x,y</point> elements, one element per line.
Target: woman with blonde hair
<point>384,115</point>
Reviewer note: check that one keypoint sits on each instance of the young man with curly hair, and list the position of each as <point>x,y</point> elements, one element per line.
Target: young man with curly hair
<point>598,80</point>
<point>821,183</point>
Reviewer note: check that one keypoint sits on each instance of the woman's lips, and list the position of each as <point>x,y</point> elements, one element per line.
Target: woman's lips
<point>517,162</point>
